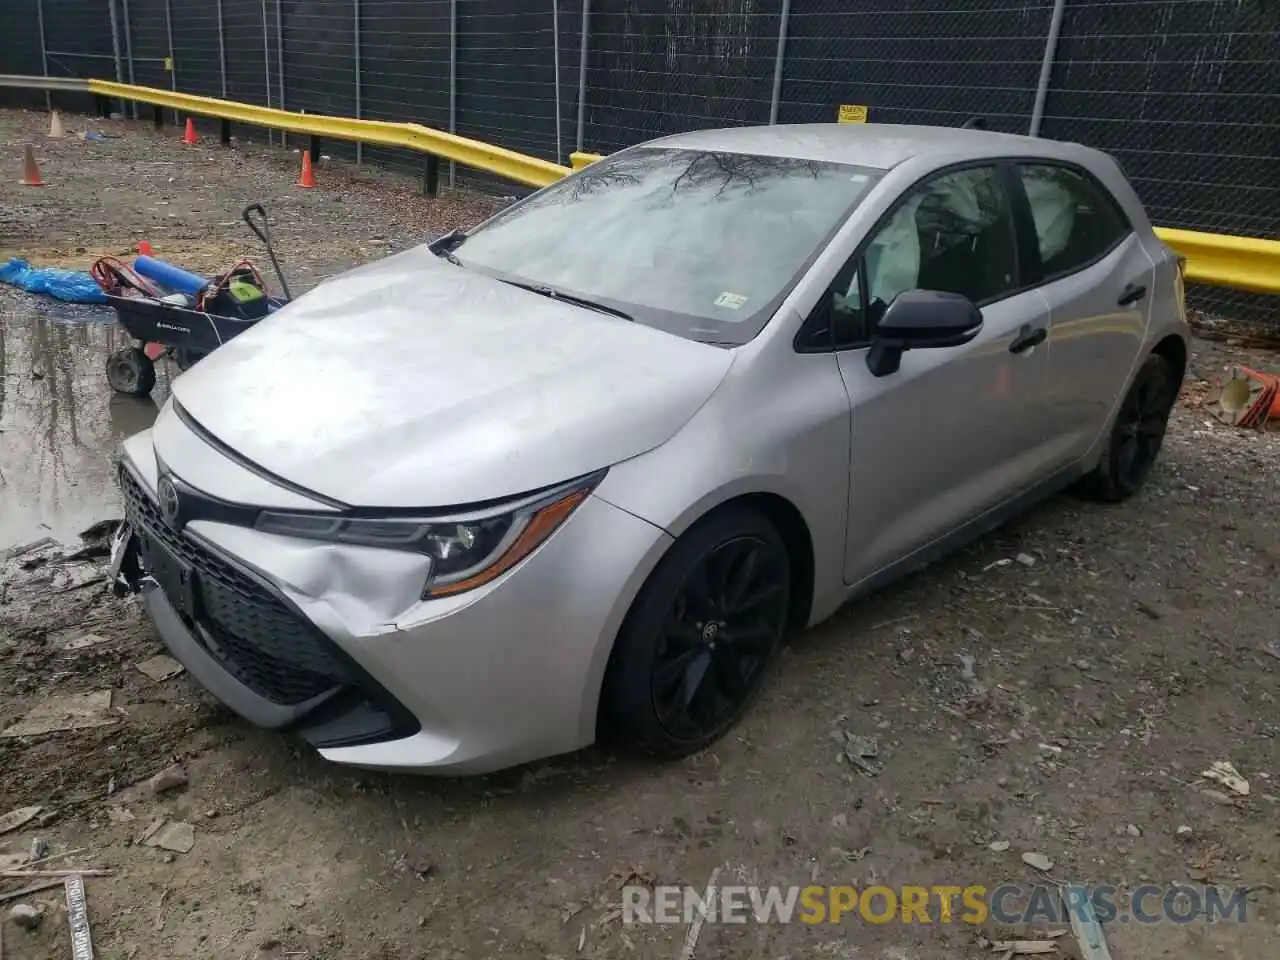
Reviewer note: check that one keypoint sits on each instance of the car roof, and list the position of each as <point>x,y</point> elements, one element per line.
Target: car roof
<point>878,145</point>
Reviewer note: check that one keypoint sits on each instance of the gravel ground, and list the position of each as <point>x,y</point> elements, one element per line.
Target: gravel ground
<point>1061,703</point>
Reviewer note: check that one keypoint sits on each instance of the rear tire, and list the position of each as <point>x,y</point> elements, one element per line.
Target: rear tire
<point>131,372</point>
<point>698,641</point>
<point>1136,435</point>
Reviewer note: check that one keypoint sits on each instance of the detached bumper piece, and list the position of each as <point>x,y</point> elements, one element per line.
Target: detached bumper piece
<point>245,642</point>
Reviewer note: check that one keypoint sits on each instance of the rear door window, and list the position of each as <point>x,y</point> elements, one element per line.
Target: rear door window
<point>1076,221</point>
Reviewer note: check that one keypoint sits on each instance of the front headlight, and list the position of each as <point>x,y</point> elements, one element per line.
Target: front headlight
<point>465,551</point>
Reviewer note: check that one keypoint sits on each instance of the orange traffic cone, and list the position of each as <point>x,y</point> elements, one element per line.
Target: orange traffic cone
<point>1249,398</point>
<point>144,248</point>
<point>189,137</point>
<point>306,178</point>
<point>55,127</point>
<point>30,172</point>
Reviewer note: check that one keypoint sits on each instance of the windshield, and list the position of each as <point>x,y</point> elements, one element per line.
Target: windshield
<point>701,244</point>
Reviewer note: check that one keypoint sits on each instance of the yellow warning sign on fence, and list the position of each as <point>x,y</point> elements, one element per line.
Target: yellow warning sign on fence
<point>168,64</point>
<point>852,113</point>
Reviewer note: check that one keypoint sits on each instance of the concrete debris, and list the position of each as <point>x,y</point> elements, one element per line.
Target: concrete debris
<point>1020,948</point>
<point>172,835</point>
<point>1133,830</point>
<point>25,916</point>
<point>1224,773</point>
<point>1026,559</point>
<point>80,643</point>
<point>14,552</point>
<point>1038,861</point>
<point>119,814</point>
<point>170,778</point>
<point>161,668</point>
<point>1184,832</point>
<point>17,818</point>
<point>862,752</point>
<point>998,846</point>
<point>39,847</point>
<point>75,711</point>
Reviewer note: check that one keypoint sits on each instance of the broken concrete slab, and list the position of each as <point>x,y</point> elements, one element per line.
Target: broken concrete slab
<point>1037,861</point>
<point>76,711</point>
<point>161,668</point>
<point>172,835</point>
<point>16,818</point>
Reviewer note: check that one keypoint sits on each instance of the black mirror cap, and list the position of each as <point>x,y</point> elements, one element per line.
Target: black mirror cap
<point>930,318</point>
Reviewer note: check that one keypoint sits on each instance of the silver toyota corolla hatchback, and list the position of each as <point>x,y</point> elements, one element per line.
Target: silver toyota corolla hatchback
<point>580,468</point>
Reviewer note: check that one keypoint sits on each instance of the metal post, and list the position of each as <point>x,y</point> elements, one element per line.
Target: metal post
<point>284,137</point>
<point>431,176</point>
<point>582,71</point>
<point>359,111</point>
<point>453,83</point>
<point>779,60</point>
<point>266,66</point>
<point>173,63</point>
<point>128,52</point>
<point>555,56</point>
<point>222,51</point>
<point>44,55</point>
<point>1046,66</point>
<point>115,46</point>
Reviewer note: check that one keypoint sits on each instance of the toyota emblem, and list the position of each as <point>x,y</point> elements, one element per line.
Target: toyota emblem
<point>169,502</point>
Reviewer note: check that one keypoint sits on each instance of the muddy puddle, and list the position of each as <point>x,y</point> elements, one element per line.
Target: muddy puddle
<point>59,420</point>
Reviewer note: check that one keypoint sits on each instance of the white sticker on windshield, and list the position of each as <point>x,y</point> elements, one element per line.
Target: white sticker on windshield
<point>730,301</point>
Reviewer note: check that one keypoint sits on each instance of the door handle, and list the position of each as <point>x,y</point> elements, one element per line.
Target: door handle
<point>1028,338</point>
<point>1131,294</point>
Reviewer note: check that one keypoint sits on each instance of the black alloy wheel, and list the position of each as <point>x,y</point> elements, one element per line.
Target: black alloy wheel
<point>1137,434</point>
<point>701,635</point>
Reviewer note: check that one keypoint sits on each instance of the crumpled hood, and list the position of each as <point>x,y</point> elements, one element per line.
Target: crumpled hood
<point>411,382</point>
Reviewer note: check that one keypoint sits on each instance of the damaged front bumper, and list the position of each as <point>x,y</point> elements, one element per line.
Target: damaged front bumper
<point>209,628</point>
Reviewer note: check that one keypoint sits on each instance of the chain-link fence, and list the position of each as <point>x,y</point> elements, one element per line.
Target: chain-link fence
<point>1185,93</point>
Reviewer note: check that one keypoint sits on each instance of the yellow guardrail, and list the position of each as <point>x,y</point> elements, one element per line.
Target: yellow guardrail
<point>1244,263</point>
<point>509,164</point>
<point>579,159</point>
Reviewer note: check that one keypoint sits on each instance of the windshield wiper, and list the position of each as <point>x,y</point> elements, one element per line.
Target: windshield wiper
<point>444,246</point>
<point>552,294</point>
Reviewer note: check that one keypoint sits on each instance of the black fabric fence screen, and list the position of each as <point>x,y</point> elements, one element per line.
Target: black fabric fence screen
<point>1185,93</point>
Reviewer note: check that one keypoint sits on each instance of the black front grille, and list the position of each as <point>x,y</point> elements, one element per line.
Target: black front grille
<point>251,631</point>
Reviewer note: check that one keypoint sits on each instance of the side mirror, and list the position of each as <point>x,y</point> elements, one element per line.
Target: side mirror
<point>921,320</point>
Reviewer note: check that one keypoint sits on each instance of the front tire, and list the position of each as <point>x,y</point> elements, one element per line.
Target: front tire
<point>696,646</point>
<point>1136,435</point>
<point>131,372</point>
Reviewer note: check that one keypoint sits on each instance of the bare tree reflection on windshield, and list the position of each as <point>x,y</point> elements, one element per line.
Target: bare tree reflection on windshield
<point>700,243</point>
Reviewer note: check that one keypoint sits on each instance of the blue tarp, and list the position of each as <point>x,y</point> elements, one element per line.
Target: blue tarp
<point>71,286</point>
